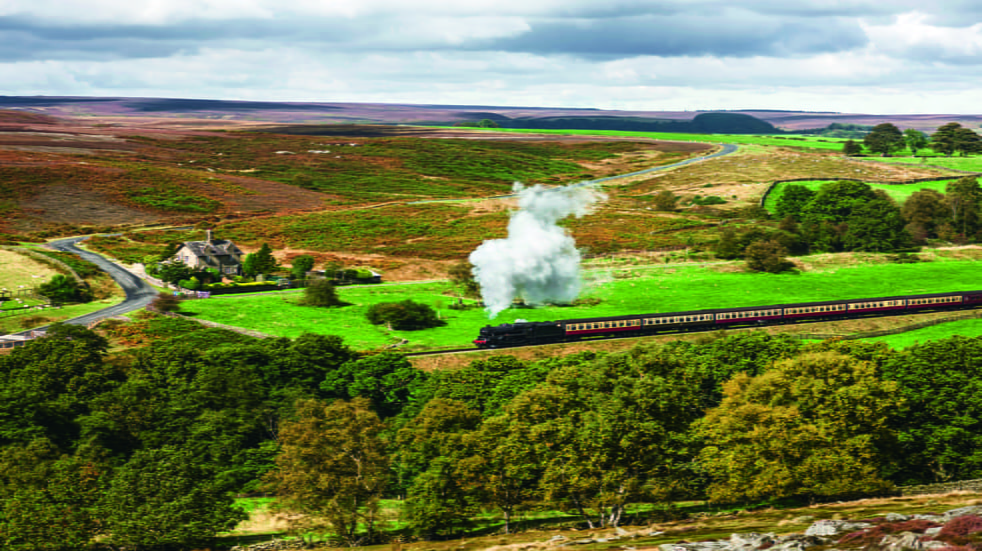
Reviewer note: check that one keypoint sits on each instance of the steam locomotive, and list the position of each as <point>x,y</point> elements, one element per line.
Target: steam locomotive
<point>523,333</point>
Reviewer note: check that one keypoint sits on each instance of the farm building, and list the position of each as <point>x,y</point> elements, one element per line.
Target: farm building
<point>220,254</point>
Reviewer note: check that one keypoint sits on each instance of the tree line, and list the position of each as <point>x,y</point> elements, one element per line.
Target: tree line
<point>886,139</point>
<point>144,449</point>
<point>851,216</point>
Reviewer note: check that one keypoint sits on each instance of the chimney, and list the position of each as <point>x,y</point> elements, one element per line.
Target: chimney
<point>208,233</point>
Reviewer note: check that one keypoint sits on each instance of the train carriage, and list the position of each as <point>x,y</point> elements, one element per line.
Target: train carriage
<point>524,333</point>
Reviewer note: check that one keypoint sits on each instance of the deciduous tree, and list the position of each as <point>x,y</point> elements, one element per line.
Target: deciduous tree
<point>963,197</point>
<point>885,138</point>
<point>301,265</point>
<point>332,465</point>
<point>945,138</point>
<point>163,498</point>
<point>915,140</point>
<point>813,426</point>
<point>320,292</point>
<point>851,148</point>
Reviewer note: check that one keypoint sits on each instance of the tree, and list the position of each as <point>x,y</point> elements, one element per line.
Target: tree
<point>666,201</point>
<point>967,142</point>
<point>941,432</point>
<point>462,275</point>
<point>48,502</point>
<point>333,465</point>
<point>964,200</point>
<point>62,288</point>
<point>606,433</point>
<point>835,201</point>
<point>884,139</point>
<point>403,315</point>
<point>301,265</point>
<point>430,448</point>
<point>813,426</point>
<point>915,140</point>
<point>164,498</point>
<point>945,138</point>
<point>387,379</point>
<point>729,246</point>
<point>792,201</point>
<point>924,211</point>
<point>851,148</point>
<point>173,272</point>
<point>260,262</point>
<point>767,256</point>
<point>498,471</point>
<point>876,226</point>
<point>320,292</point>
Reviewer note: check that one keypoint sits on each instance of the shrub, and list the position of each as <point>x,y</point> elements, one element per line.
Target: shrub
<point>320,292</point>
<point>767,256</point>
<point>959,527</point>
<point>166,302</point>
<point>405,315</point>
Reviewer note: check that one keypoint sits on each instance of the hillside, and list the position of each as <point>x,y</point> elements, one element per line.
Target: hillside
<point>227,112</point>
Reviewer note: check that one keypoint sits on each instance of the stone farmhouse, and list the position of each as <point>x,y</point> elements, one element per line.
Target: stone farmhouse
<point>220,254</point>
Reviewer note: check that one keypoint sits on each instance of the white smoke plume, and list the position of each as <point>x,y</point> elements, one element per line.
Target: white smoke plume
<point>538,261</point>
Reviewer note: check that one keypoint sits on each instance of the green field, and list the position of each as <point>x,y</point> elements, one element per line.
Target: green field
<point>972,164</point>
<point>898,192</point>
<point>808,142</point>
<point>618,292</point>
<point>965,328</point>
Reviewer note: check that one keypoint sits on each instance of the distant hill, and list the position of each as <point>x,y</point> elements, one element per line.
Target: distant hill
<point>733,121</point>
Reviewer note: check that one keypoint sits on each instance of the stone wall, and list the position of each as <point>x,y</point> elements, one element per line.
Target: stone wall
<point>942,488</point>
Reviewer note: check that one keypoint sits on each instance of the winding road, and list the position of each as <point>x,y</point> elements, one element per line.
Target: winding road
<point>725,149</point>
<point>139,293</point>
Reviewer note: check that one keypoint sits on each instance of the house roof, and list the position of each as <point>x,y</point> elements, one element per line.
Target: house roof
<point>220,249</point>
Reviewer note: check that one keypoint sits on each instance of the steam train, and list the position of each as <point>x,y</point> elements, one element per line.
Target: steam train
<point>523,333</point>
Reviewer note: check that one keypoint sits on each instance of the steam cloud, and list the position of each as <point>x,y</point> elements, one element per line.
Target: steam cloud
<point>538,261</point>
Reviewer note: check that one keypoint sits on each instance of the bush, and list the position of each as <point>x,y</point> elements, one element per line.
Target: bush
<point>166,302</point>
<point>405,315</point>
<point>62,289</point>
<point>320,292</point>
<point>767,256</point>
<point>956,529</point>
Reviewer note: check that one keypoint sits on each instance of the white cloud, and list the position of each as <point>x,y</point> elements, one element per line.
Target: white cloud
<point>911,35</point>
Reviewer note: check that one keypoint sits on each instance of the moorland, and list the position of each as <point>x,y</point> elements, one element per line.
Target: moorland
<point>545,440</point>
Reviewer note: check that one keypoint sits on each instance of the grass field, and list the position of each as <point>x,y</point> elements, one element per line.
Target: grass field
<point>899,192</point>
<point>807,142</point>
<point>18,270</point>
<point>15,323</point>
<point>965,328</point>
<point>618,292</point>
<point>972,164</point>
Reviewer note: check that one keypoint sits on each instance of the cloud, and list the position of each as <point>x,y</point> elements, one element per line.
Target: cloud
<point>628,54</point>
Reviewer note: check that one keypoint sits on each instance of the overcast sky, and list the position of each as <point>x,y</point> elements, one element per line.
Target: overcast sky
<point>871,56</point>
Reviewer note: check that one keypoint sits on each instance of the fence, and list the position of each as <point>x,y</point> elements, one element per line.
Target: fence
<point>894,331</point>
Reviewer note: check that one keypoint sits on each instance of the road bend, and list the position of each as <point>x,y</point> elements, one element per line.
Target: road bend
<point>138,292</point>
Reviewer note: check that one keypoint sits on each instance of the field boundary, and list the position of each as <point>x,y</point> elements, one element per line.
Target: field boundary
<point>974,485</point>
<point>894,331</point>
